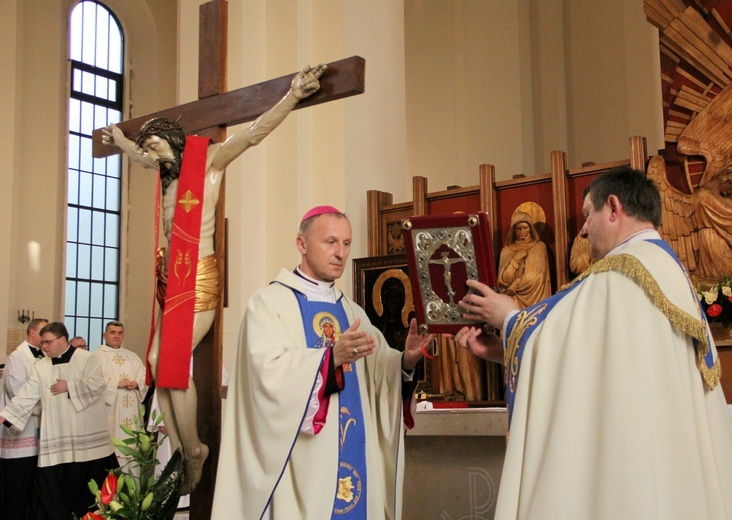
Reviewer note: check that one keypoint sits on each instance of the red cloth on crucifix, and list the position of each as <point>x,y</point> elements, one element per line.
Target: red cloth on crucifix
<point>176,338</point>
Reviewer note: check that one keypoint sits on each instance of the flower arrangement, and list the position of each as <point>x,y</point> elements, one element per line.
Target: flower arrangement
<point>717,301</point>
<point>132,491</point>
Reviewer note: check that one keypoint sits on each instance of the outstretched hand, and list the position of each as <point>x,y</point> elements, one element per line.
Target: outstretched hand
<point>306,81</point>
<point>353,345</point>
<point>414,346</point>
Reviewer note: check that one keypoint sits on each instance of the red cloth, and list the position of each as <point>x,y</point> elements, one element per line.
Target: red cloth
<point>174,358</point>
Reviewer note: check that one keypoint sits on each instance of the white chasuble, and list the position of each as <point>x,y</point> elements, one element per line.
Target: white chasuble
<point>268,464</point>
<point>613,416</point>
<point>122,404</point>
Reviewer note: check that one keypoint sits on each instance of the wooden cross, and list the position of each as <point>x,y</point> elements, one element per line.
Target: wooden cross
<point>215,110</point>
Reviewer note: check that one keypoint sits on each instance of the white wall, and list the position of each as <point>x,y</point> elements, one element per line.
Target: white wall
<point>449,85</point>
<point>8,88</point>
<point>34,89</point>
<point>508,82</point>
<point>613,73</point>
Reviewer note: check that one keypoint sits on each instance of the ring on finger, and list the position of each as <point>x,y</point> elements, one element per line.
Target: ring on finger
<point>355,351</point>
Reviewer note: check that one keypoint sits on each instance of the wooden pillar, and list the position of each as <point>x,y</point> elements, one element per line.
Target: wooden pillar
<point>561,214</point>
<point>487,174</point>
<point>212,57</point>
<point>419,196</point>
<point>375,200</point>
<point>638,153</point>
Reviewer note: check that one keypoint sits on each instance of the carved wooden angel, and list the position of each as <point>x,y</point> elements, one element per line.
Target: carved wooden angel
<point>699,225</point>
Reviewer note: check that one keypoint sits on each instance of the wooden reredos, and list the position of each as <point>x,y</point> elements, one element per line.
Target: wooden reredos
<point>558,192</point>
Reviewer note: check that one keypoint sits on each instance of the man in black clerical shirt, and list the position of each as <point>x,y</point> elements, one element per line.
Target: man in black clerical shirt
<point>75,446</point>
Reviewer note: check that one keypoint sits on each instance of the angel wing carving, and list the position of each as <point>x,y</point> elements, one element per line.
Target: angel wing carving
<point>679,224</point>
<point>709,134</point>
<point>699,225</point>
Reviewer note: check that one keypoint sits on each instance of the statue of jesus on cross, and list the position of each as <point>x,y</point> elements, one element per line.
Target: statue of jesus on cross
<point>191,171</point>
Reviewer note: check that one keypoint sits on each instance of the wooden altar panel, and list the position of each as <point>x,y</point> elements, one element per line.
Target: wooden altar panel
<point>723,341</point>
<point>577,180</point>
<point>725,359</point>
<point>512,193</point>
<point>559,193</point>
<point>390,228</point>
<point>466,200</point>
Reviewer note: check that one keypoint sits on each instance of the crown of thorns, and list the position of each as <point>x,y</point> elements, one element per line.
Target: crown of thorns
<point>156,126</point>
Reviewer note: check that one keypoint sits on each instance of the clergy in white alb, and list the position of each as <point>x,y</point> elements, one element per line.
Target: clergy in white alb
<point>315,433</point>
<point>19,449</point>
<point>612,384</point>
<point>74,442</point>
<point>124,376</point>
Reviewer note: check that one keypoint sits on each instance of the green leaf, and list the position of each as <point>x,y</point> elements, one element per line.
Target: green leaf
<point>124,450</point>
<point>127,430</point>
<point>118,442</point>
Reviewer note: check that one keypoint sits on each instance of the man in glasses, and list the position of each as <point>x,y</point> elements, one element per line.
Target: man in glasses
<point>75,446</point>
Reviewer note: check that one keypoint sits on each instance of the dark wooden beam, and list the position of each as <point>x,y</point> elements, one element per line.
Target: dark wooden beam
<point>208,356</point>
<point>212,39</point>
<point>342,79</point>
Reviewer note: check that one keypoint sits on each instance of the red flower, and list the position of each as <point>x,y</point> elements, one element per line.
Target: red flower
<point>109,489</point>
<point>714,310</point>
<point>92,516</point>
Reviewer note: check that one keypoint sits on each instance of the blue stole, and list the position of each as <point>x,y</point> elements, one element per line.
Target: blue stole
<point>523,324</point>
<point>350,494</point>
<point>525,321</point>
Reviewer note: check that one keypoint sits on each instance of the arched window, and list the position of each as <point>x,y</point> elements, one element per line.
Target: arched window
<point>94,185</point>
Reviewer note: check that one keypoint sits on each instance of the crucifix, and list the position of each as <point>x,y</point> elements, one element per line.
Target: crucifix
<point>208,117</point>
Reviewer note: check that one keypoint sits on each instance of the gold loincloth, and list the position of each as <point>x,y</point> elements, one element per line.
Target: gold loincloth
<point>207,282</point>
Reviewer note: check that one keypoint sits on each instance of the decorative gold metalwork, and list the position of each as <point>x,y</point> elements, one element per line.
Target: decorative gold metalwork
<point>427,241</point>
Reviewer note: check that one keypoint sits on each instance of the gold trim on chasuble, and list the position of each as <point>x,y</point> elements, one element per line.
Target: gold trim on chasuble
<point>633,269</point>
<point>524,321</point>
